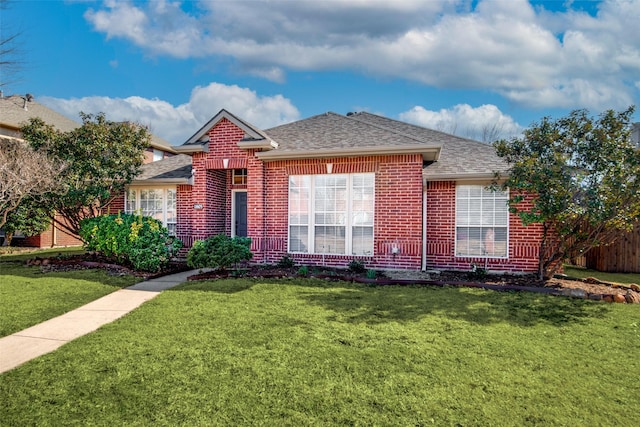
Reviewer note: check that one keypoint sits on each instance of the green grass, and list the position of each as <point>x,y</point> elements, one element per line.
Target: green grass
<point>310,352</point>
<point>582,273</point>
<point>28,296</point>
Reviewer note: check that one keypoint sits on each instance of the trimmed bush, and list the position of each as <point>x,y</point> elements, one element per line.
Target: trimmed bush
<point>357,267</point>
<point>140,241</point>
<point>220,252</point>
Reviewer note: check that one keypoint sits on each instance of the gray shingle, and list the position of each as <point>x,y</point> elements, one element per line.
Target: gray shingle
<point>330,130</point>
<point>171,168</point>
<point>459,157</point>
<point>13,113</point>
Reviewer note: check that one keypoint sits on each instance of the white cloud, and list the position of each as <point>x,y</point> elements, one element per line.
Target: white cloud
<point>484,123</point>
<point>177,123</point>
<point>530,56</point>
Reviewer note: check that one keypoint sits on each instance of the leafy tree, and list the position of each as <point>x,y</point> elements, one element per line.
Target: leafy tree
<point>102,157</point>
<point>29,217</point>
<point>25,174</point>
<point>577,176</point>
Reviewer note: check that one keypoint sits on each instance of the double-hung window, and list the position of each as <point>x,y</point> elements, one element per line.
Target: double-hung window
<point>331,214</point>
<point>482,222</point>
<point>158,203</point>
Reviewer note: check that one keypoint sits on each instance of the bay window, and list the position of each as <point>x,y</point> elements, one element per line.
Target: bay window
<point>482,220</point>
<point>331,214</point>
<point>158,203</point>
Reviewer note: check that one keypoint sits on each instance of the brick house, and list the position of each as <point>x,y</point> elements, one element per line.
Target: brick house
<point>15,111</point>
<point>331,188</point>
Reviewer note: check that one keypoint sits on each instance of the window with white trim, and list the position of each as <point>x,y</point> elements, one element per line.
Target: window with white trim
<point>157,155</point>
<point>482,222</point>
<point>331,214</point>
<point>158,203</point>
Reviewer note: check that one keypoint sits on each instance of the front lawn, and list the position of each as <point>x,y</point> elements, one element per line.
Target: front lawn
<point>309,352</point>
<point>28,296</point>
<point>582,273</point>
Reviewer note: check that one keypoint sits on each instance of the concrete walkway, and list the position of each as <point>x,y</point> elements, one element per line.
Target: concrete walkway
<point>47,336</point>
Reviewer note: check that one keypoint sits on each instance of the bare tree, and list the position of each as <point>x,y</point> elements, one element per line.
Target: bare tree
<point>10,64</point>
<point>25,173</point>
<point>488,132</point>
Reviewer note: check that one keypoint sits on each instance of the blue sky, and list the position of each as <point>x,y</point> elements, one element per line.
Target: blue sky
<point>455,65</point>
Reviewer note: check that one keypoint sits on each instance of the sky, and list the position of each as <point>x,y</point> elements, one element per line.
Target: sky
<point>475,68</point>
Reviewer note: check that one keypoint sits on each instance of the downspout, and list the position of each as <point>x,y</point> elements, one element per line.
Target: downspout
<point>424,227</point>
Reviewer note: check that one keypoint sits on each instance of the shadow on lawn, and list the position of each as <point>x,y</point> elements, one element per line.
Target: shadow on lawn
<point>19,269</point>
<point>378,304</point>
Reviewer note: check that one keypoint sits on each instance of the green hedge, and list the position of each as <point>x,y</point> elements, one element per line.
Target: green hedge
<point>141,241</point>
<point>219,252</point>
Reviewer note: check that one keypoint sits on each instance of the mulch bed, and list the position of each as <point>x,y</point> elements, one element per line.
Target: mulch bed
<point>91,260</point>
<point>589,288</point>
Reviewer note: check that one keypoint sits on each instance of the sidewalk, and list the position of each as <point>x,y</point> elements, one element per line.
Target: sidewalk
<point>47,336</point>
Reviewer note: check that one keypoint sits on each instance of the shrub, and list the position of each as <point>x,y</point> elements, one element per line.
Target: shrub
<point>219,252</point>
<point>477,272</point>
<point>371,274</point>
<point>356,266</point>
<point>303,271</point>
<point>286,262</point>
<point>141,241</point>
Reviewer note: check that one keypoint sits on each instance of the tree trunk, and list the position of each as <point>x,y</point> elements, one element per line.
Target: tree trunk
<point>8,236</point>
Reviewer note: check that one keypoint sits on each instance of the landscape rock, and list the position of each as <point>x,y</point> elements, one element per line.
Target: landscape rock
<point>632,297</point>
<point>619,298</point>
<point>574,293</point>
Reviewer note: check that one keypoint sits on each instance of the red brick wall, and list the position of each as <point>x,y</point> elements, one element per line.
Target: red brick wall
<point>398,209</point>
<point>523,241</point>
<point>52,237</point>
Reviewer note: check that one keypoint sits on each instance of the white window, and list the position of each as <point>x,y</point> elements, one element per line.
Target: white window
<point>331,214</point>
<point>482,220</point>
<point>158,203</point>
<point>157,154</point>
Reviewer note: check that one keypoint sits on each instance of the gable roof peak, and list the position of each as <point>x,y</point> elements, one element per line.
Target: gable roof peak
<point>201,136</point>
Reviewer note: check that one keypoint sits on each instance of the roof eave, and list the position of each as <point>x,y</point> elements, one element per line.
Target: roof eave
<point>458,177</point>
<point>262,144</point>
<point>192,148</point>
<point>428,153</point>
<point>161,181</point>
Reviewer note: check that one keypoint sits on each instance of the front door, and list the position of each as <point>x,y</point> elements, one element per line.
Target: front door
<point>240,213</point>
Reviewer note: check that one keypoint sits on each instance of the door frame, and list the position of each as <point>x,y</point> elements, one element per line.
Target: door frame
<point>233,210</point>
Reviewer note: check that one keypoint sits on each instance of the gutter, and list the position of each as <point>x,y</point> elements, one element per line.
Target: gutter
<point>463,177</point>
<point>162,181</point>
<point>429,153</point>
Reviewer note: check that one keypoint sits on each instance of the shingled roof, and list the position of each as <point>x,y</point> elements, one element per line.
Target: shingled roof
<point>16,110</point>
<point>460,158</point>
<point>456,158</point>
<point>172,170</point>
<point>327,135</point>
<point>332,134</point>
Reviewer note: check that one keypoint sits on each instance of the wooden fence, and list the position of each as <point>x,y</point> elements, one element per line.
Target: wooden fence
<point>623,256</point>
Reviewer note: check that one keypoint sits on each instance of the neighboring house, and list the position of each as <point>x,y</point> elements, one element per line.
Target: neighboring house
<point>16,111</point>
<point>331,188</point>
